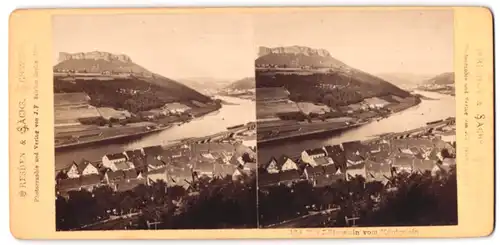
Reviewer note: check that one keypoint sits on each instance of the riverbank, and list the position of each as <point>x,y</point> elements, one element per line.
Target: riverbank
<point>117,132</point>
<point>102,139</point>
<point>285,131</point>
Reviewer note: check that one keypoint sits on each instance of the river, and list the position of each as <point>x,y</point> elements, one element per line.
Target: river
<point>442,106</point>
<point>238,111</point>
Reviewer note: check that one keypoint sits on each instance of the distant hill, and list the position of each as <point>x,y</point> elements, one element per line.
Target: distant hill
<point>245,83</point>
<point>404,79</point>
<point>202,84</point>
<point>337,85</point>
<point>442,79</point>
<point>116,81</point>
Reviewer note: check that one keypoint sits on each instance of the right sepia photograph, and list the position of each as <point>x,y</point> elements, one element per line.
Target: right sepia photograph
<point>355,118</point>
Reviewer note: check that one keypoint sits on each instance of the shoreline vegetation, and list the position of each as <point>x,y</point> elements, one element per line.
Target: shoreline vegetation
<point>119,130</point>
<point>302,124</point>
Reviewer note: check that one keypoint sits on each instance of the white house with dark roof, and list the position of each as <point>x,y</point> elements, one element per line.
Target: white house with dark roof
<point>83,168</point>
<point>309,156</point>
<point>109,160</point>
<point>284,163</point>
<point>272,166</point>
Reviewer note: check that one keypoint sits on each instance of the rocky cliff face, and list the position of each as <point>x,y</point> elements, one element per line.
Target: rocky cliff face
<point>294,50</point>
<point>94,55</point>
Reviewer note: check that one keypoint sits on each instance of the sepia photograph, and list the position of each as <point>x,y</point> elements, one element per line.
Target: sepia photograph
<point>355,118</point>
<point>154,120</point>
<point>251,123</point>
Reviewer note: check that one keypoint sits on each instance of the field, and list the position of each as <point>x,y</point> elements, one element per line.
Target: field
<point>266,110</point>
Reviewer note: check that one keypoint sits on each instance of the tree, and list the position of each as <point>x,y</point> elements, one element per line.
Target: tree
<point>61,214</point>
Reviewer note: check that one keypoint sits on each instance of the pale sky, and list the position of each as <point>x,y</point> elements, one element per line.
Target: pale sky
<point>409,41</point>
<point>215,45</point>
<point>224,45</point>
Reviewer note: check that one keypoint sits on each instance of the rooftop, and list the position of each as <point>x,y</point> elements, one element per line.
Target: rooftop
<point>316,151</point>
<point>115,156</point>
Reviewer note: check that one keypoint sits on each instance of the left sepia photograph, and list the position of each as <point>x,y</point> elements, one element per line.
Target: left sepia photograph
<point>154,121</point>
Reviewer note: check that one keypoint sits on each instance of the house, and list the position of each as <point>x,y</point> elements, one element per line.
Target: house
<point>204,168</point>
<point>180,161</point>
<point>109,160</point>
<point>423,165</point>
<point>131,154</point>
<point>239,174</point>
<point>355,147</point>
<point>446,165</point>
<point>91,181</point>
<point>328,180</point>
<point>223,170</point>
<point>177,152</point>
<point>213,147</point>
<point>155,175</point>
<point>403,163</point>
<point>272,166</point>
<point>155,162</point>
<point>266,179</point>
<point>148,114</point>
<point>323,161</point>
<point>354,170</point>
<point>330,174</point>
<point>208,156</point>
<point>250,166</point>
<point>129,184</point>
<point>289,177</point>
<point>179,176</point>
<point>175,108</point>
<point>126,165</point>
<point>66,185</point>
<point>378,171</point>
<point>108,113</point>
<point>112,177</point>
<point>84,182</point>
<point>376,103</point>
<point>139,164</point>
<point>406,151</point>
<point>124,180</point>
<point>84,167</point>
<point>311,173</point>
<point>285,163</point>
<point>309,156</point>
<point>353,159</point>
<point>155,150</point>
<point>336,153</point>
<point>132,174</point>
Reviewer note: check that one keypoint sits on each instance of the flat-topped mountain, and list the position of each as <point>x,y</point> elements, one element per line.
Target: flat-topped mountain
<point>99,62</point>
<point>314,75</point>
<point>94,55</point>
<point>293,50</point>
<point>113,80</point>
<point>295,57</point>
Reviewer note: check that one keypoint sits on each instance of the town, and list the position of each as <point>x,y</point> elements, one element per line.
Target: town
<point>430,149</point>
<point>178,164</point>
